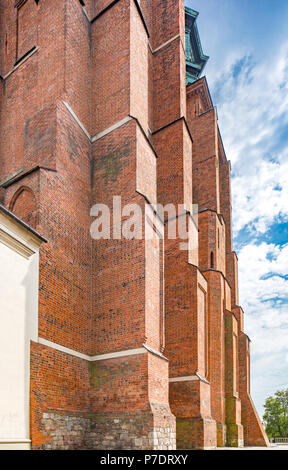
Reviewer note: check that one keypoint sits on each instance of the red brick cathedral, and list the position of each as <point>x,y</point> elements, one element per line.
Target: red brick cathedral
<point>134,343</point>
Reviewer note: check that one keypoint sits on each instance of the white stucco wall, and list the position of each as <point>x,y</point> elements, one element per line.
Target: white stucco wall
<point>19,261</point>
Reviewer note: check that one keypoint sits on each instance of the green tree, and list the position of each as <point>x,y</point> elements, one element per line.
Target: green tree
<point>276,414</point>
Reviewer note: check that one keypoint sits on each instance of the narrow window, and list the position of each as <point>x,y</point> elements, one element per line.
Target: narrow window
<point>212,260</point>
<point>6,44</point>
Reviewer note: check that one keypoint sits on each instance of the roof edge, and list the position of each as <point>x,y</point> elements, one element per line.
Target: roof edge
<point>201,83</point>
<point>22,223</point>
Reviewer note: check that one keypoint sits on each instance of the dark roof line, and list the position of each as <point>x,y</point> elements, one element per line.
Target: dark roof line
<point>21,222</point>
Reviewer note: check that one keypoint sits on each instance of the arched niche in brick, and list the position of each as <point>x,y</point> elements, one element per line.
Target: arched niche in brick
<point>23,204</point>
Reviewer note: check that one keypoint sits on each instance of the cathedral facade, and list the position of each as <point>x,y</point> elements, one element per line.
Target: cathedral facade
<point>122,342</point>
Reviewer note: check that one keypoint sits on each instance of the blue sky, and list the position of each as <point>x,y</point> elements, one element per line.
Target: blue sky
<point>247,73</point>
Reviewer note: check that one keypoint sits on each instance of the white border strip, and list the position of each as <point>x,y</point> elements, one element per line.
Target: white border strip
<point>165,43</point>
<point>155,352</point>
<point>186,378</point>
<point>128,352</point>
<point>15,441</point>
<point>189,378</point>
<point>20,63</point>
<point>102,133</point>
<point>111,128</point>
<point>101,357</point>
<point>52,345</point>
<point>77,120</point>
<point>86,14</point>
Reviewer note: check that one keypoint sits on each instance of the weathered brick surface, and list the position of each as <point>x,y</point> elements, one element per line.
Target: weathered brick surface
<point>253,429</point>
<point>168,97</point>
<point>232,276</point>
<point>216,332</point>
<point>168,21</point>
<point>194,426</point>
<point>211,241</point>
<point>27,13</point>
<point>111,65</point>
<point>122,60</point>
<point>234,428</point>
<point>225,201</point>
<point>59,385</point>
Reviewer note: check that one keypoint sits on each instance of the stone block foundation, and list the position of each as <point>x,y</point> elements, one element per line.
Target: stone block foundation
<point>68,431</point>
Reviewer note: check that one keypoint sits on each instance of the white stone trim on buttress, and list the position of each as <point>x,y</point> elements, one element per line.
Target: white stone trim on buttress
<point>100,357</point>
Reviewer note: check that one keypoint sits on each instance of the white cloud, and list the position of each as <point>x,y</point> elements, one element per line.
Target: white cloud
<point>260,194</point>
<point>253,112</point>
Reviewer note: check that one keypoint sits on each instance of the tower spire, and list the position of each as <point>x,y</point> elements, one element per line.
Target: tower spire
<point>195,58</point>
